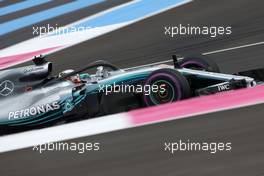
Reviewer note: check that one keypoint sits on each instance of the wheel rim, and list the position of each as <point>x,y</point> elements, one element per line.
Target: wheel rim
<point>161,97</point>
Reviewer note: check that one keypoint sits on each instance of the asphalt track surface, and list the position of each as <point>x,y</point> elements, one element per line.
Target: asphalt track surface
<point>8,2</point>
<point>32,10</point>
<point>139,151</point>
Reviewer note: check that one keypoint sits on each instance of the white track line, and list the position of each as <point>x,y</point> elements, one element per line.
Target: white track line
<point>64,132</point>
<point>207,53</point>
<point>234,48</point>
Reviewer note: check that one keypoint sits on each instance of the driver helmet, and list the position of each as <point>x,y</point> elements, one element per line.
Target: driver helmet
<point>65,72</point>
<point>75,78</point>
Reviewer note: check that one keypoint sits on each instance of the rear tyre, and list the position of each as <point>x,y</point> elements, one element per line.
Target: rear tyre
<point>171,86</point>
<point>199,64</point>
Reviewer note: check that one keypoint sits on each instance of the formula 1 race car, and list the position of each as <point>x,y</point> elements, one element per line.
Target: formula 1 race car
<point>31,97</point>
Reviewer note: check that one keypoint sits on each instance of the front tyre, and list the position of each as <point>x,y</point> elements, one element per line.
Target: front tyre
<point>166,85</point>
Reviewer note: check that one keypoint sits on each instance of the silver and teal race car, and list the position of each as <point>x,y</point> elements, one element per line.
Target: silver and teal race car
<point>32,97</point>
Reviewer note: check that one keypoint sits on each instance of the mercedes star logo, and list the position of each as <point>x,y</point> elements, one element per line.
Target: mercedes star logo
<point>6,88</point>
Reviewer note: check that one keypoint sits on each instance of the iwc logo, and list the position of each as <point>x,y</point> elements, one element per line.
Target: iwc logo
<point>6,88</point>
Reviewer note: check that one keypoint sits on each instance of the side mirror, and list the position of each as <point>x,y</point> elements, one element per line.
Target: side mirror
<point>175,61</point>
